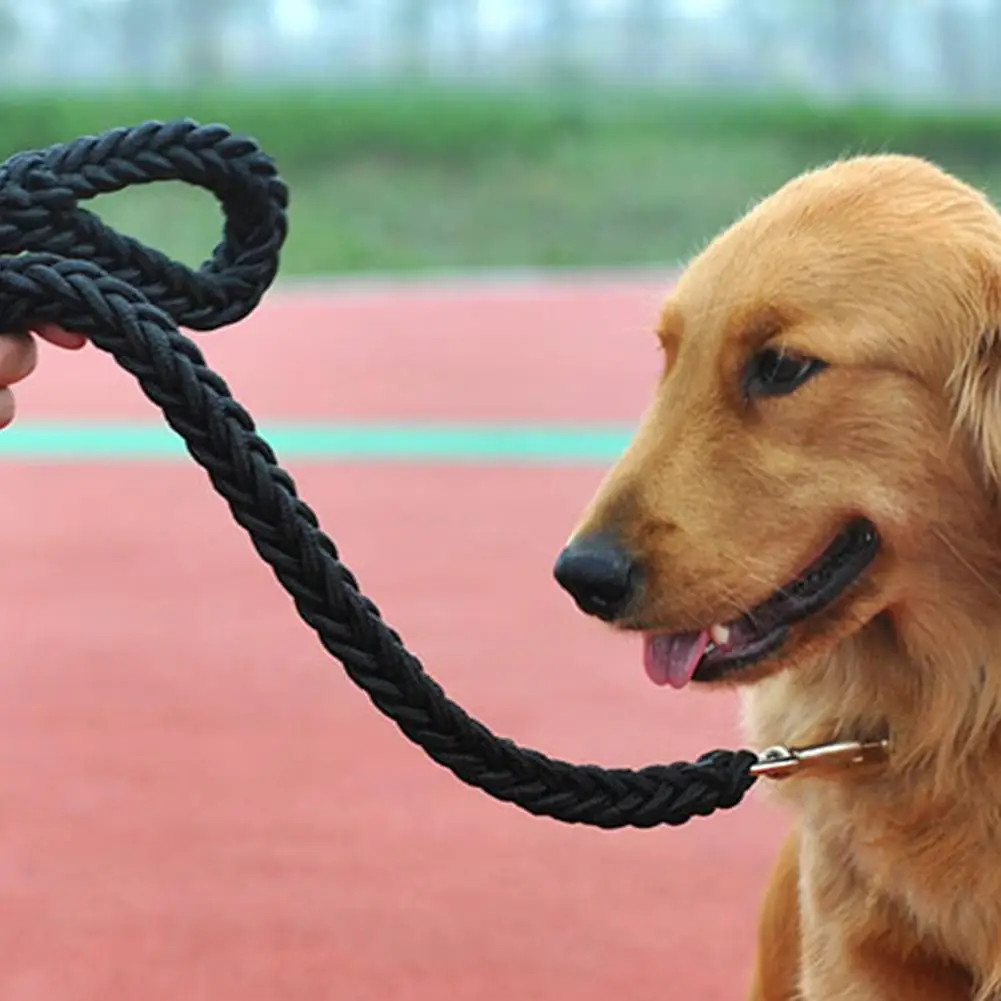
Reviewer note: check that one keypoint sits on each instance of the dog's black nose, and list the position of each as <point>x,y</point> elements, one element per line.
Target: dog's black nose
<point>598,574</point>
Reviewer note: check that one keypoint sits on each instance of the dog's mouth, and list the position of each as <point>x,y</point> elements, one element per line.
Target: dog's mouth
<point>724,649</point>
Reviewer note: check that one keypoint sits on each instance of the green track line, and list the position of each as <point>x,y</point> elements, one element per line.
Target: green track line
<point>519,444</point>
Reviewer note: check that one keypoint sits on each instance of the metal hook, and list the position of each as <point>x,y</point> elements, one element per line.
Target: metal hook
<point>781,762</point>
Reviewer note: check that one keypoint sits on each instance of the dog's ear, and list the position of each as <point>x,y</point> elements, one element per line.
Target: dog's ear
<point>975,383</point>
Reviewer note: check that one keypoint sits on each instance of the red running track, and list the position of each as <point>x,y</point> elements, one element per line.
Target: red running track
<point>198,805</point>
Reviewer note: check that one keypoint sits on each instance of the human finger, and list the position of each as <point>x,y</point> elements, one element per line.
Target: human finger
<point>6,407</point>
<point>55,334</point>
<point>18,357</point>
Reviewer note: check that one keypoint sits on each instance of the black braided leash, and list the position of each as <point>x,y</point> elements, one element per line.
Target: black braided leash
<point>62,264</point>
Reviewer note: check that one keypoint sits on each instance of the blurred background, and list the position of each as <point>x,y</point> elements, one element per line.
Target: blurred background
<point>439,134</point>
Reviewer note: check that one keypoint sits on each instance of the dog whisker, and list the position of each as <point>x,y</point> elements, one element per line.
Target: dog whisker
<point>964,562</point>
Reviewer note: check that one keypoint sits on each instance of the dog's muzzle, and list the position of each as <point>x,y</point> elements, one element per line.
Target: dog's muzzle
<point>600,576</point>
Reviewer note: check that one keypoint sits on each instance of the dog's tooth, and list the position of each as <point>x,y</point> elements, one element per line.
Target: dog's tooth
<point>720,634</point>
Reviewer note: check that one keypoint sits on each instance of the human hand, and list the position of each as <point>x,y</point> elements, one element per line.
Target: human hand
<point>19,355</point>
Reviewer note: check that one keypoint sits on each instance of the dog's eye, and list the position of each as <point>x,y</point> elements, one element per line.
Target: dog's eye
<point>772,373</point>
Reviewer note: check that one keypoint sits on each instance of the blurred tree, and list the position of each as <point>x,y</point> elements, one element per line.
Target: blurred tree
<point>410,31</point>
<point>847,39</point>
<point>956,49</point>
<point>341,19</point>
<point>561,28</point>
<point>992,78</point>
<point>10,30</point>
<point>757,25</point>
<point>140,37</point>
<point>202,33</point>
<point>466,19</point>
<point>645,30</point>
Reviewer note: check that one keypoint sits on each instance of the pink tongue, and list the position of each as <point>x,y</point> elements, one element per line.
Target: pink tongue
<point>671,660</point>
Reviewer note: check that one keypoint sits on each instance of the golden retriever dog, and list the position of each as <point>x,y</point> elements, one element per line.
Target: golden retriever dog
<point>811,511</point>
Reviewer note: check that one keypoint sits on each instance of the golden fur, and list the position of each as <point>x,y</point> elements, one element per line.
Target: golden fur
<point>890,270</point>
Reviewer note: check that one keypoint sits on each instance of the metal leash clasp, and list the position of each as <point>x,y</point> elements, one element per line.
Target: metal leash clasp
<point>781,762</point>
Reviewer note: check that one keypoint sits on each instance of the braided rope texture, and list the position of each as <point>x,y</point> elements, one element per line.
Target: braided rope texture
<point>61,263</point>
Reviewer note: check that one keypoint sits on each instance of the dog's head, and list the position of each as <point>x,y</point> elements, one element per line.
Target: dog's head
<point>824,447</point>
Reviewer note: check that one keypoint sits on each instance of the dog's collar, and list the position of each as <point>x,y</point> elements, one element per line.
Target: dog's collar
<point>781,762</point>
